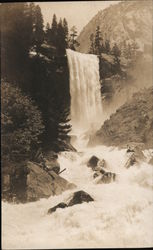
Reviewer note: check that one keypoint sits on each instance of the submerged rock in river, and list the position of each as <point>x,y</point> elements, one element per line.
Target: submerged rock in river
<point>107,177</point>
<point>77,198</point>
<point>80,197</point>
<point>60,205</point>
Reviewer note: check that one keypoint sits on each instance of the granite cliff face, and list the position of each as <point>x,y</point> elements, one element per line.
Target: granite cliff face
<point>132,122</point>
<point>127,20</point>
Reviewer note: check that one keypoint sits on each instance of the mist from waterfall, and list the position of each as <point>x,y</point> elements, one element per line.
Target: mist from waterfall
<point>86,105</point>
<point>122,212</point>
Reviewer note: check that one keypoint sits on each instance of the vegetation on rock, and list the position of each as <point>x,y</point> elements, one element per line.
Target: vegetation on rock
<point>136,122</point>
<point>22,123</point>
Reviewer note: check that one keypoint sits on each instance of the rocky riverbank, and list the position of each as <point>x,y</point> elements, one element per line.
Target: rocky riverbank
<point>131,123</point>
<point>32,180</point>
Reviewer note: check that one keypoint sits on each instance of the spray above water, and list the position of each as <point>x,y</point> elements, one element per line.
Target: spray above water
<point>121,214</point>
<point>86,106</point>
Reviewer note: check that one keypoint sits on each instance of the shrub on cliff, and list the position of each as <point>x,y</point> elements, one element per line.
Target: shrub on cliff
<point>21,123</point>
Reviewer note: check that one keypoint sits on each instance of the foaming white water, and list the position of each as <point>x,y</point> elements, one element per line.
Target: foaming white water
<point>120,216</point>
<point>122,212</point>
<point>86,106</point>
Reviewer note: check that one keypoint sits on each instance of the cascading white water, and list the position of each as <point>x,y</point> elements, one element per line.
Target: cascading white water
<point>122,212</point>
<point>86,106</point>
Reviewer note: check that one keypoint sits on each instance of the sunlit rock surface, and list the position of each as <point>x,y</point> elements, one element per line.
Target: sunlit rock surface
<point>132,122</point>
<point>127,20</point>
<point>41,184</point>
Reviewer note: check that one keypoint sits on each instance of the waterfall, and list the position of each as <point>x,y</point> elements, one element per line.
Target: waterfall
<point>86,106</point>
<point>122,212</point>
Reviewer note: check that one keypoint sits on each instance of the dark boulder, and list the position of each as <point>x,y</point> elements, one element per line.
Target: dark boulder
<point>96,174</point>
<point>77,198</point>
<point>80,197</point>
<point>107,177</point>
<point>60,205</point>
<point>93,161</point>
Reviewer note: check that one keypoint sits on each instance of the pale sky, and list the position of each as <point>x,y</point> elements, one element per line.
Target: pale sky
<point>77,13</point>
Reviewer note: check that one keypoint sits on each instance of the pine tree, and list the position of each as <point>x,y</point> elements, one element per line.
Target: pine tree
<point>92,45</point>
<point>66,32</point>
<point>73,43</point>
<point>16,39</point>
<point>38,29</point>
<point>98,40</point>
<point>54,27</point>
<point>107,47</point>
<point>47,33</point>
<point>61,46</point>
<point>116,53</point>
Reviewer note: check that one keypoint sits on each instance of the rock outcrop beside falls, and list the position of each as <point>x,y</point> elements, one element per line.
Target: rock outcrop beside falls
<point>132,122</point>
<point>31,181</point>
<point>41,184</point>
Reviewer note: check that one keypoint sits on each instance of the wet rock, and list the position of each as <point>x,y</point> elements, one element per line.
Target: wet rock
<point>102,171</point>
<point>66,146</point>
<point>42,184</point>
<point>137,149</point>
<point>131,161</point>
<point>93,161</point>
<point>77,198</point>
<point>132,122</point>
<point>107,177</point>
<point>102,163</point>
<point>135,154</point>
<point>80,197</point>
<point>51,161</point>
<point>96,174</point>
<point>53,165</point>
<point>60,205</point>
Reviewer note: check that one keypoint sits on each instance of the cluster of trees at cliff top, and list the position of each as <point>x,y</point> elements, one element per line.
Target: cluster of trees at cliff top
<point>100,46</point>
<point>35,81</point>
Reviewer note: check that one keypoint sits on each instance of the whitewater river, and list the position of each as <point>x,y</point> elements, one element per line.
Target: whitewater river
<point>122,212</point>
<point>120,216</point>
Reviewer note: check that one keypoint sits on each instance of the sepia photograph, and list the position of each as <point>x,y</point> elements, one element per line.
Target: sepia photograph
<point>76,124</point>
